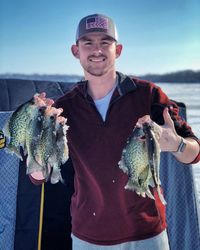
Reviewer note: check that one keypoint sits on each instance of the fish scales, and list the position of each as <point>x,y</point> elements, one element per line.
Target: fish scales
<point>61,152</point>
<point>140,160</point>
<point>61,139</point>
<point>45,150</point>
<point>15,128</point>
<point>153,152</point>
<point>33,138</point>
<point>40,130</point>
<point>154,156</point>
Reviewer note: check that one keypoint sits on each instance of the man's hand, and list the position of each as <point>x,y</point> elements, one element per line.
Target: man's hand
<point>169,140</point>
<point>42,98</point>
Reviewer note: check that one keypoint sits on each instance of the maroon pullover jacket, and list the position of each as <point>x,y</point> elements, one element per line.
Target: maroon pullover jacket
<point>103,212</point>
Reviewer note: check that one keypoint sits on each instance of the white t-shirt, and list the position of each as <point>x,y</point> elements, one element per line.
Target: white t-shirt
<point>103,103</point>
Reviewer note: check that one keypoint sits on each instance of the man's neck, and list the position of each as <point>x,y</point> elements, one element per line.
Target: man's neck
<point>100,86</point>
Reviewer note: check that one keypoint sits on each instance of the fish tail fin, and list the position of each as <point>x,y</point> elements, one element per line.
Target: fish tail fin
<point>56,176</point>
<point>141,193</point>
<point>160,195</point>
<point>32,165</point>
<point>149,194</point>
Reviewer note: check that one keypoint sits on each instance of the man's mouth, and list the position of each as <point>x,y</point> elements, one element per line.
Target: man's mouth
<point>97,59</point>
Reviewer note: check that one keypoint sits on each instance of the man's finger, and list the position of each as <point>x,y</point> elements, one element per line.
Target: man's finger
<point>167,118</point>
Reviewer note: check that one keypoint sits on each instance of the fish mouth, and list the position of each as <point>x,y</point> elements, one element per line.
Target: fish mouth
<point>142,138</point>
<point>142,133</point>
<point>138,133</point>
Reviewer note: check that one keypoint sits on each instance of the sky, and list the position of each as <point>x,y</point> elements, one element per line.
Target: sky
<point>158,36</point>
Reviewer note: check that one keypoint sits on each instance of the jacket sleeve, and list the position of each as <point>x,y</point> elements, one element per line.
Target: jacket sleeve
<point>159,101</point>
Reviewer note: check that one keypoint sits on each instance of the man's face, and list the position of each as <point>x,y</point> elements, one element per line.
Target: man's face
<point>97,53</point>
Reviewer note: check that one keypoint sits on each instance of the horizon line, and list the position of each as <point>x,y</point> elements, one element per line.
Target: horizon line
<point>74,74</point>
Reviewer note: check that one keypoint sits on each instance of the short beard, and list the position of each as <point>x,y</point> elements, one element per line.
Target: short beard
<point>97,73</point>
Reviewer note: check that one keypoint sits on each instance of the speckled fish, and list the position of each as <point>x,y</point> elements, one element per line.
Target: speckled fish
<point>61,139</point>
<point>40,131</point>
<point>45,152</point>
<point>140,160</point>
<point>33,136</point>
<point>15,128</point>
<point>62,151</point>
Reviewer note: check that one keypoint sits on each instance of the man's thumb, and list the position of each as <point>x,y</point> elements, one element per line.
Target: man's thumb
<point>167,118</point>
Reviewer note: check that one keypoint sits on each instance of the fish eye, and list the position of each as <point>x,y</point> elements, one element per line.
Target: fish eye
<point>42,108</point>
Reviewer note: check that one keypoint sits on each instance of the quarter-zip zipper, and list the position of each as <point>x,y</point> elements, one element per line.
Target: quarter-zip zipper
<point>91,102</point>
<point>110,105</point>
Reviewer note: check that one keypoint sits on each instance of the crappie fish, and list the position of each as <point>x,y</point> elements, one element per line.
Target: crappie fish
<point>33,137</point>
<point>62,151</point>
<point>61,139</point>
<point>15,128</point>
<point>45,153</point>
<point>39,131</point>
<point>140,160</point>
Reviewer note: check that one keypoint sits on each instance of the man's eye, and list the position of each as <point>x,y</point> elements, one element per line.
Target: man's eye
<point>105,43</point>
<point>88,43</point>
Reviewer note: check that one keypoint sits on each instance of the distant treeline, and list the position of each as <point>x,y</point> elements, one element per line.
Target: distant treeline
<point>185,76</point>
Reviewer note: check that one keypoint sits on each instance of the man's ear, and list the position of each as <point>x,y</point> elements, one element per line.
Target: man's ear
<point>118,50</point>
<point>75,51</point>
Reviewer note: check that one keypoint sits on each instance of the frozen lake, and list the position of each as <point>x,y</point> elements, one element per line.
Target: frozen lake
<point>189,95</point>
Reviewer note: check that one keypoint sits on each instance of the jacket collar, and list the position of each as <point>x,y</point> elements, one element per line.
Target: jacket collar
<point>125,85</point>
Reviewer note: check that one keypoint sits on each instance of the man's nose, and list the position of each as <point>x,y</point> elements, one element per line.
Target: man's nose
<point>97,49</point>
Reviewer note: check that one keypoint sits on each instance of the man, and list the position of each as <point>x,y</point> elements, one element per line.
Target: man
<point>102,112</point>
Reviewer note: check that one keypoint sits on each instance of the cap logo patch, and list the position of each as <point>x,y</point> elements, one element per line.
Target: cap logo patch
<point>96,22</point>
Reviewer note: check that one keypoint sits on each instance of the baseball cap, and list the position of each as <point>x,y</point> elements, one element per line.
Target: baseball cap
<point>96,23</point>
